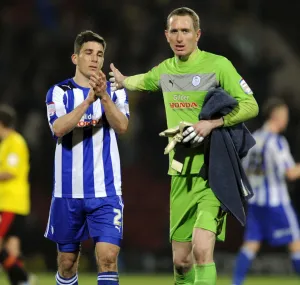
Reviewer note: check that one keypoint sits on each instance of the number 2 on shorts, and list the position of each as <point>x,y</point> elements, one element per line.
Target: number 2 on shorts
<point>118,216</point>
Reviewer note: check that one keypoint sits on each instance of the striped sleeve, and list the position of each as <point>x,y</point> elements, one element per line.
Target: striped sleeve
<point>120,98</point>
<point>281,154</point>
<point>56,104</point>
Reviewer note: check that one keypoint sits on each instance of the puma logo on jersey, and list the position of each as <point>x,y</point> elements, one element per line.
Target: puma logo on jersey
<point>67,86</point>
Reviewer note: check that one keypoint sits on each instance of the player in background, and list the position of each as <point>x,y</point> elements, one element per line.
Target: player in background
<point>84,116</point>
<point>14,196</point>
<point>271,217</point>
<point>196,217</point>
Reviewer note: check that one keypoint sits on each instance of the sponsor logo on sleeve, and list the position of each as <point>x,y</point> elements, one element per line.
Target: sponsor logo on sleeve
<point>51,109</point>
<point>245,87</point>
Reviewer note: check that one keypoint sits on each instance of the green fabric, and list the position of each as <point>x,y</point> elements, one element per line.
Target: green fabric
<point>241,113</point>
<point>184,85</point>
<point>187,278</point>
<point>205,274</point>
<point>193,204</point>
<point>135,82</point>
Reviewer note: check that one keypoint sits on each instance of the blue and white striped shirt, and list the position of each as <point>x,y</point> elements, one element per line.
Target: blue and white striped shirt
<point>266,165</point>
<point>87,161</point>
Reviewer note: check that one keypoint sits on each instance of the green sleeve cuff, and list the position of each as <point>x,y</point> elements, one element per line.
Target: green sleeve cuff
<point>245,110</point>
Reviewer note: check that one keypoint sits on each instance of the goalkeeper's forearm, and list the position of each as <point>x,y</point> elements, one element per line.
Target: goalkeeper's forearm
<point>135,82</point>
<point>245,110</point>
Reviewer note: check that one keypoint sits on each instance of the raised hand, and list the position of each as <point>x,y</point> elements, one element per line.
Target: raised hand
<point>98,83</point>
<point>116,78</point>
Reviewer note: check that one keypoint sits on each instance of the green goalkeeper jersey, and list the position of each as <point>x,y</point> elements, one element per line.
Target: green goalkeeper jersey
<point>184,85</point>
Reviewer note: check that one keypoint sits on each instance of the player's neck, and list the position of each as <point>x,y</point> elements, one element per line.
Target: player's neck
<point>186,57</point>
<point>269,126</point>
<point>81,80</point>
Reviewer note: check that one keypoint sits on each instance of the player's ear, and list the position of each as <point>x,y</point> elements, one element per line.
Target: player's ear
<point>198,34</point>
<point>74,58</point>
<point>167,35</point>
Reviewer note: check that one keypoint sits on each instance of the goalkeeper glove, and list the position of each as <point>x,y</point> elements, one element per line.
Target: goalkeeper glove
<point>176,135</point>
<point>189,135</point>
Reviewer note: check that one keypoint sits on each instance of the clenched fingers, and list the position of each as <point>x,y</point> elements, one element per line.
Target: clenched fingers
<point>190,135</point>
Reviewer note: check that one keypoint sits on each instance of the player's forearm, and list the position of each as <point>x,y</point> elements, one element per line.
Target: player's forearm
<point>4,176</point>
<point>245,110</point>
<point>116,119</point>
<point>68,122</point>
<point>135,82</point>
<point>216,123</point>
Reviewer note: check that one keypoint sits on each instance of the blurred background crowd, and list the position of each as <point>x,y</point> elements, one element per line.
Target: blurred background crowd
<point>36,36</point>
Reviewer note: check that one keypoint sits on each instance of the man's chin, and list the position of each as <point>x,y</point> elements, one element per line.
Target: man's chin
<point>180,52</point>
<point>89,74</point>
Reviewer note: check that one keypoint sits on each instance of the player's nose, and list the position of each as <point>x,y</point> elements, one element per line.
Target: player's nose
<point>94,58</point>
<point>179,37</point>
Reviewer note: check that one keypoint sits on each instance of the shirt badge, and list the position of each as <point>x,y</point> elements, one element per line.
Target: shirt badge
<point>196,80</point>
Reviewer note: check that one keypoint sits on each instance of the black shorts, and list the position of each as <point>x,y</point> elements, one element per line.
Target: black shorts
<point>12,224</point>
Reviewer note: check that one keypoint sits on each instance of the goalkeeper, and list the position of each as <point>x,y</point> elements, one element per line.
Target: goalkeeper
<point>197,219</point>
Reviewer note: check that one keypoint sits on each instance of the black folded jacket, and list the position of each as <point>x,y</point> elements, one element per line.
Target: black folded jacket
<point>223,151</point>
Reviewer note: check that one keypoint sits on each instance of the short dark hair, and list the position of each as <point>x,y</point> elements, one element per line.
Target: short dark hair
<point>184,11</point>
<point>87,36</point>
<point>270,105</point>
<point>7,116</point>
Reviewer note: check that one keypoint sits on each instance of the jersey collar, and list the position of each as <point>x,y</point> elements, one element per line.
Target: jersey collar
<point>78,86</point>
<point>195,54</point>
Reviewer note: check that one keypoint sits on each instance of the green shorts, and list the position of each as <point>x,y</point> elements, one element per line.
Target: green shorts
<point>194,205</point>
